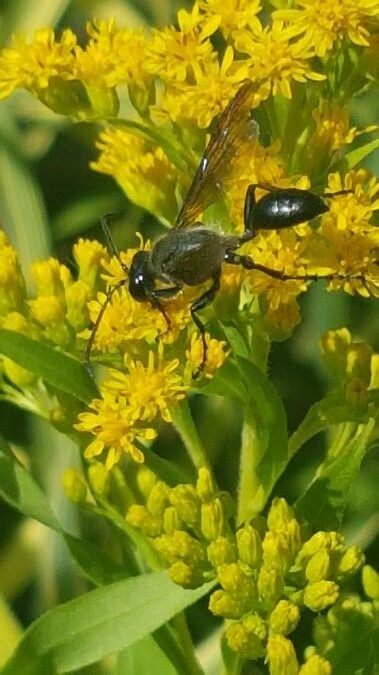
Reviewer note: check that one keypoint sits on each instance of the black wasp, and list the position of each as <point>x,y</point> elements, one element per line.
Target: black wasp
<point>190,253</point>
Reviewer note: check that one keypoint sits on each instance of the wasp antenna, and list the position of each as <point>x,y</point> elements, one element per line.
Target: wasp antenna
<point>91,339</point>
<point>104,220</point>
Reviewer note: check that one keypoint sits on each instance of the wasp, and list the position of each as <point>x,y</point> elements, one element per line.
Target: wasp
<point>190,254</point>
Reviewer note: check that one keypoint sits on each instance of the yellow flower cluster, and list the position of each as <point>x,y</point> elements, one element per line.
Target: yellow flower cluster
<point>268,570</point>
<point>354,367</point>
<point>178,82</point>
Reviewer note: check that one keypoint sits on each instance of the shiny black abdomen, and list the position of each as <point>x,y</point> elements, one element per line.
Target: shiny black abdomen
<point>284,208</point>
<point>189,256</point>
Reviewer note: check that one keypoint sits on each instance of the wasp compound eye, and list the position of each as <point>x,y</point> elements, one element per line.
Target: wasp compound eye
<point>140,276</point>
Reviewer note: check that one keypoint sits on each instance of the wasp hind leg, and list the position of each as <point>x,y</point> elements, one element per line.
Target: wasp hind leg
<point>202,302</point>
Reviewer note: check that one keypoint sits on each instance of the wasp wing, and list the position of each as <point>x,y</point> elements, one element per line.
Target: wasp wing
<point>234,134</point>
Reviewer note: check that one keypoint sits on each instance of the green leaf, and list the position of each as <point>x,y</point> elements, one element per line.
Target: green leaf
<point>145,656</point>
<point>18,488</point>
<point>57,369</point>
<point>359,154</point>
<point>264,437</point>
<point>99,623</point>
<point>351,642</point>
<point>321,416</point>
<point>324,502</point>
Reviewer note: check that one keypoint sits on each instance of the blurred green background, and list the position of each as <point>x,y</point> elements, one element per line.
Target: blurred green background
<point>48,197</point>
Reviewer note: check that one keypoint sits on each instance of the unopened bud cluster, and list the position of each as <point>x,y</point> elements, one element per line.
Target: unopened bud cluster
<point>267,570</point>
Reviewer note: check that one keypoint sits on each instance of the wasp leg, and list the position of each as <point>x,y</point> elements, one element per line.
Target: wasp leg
<point>91,339</point>
<point>158,294</point>
<point>199,304</point>
<point>248,264</point>
<point>336,194</point>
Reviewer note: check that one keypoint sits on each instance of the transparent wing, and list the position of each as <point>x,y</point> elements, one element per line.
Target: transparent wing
<point>235,134</point>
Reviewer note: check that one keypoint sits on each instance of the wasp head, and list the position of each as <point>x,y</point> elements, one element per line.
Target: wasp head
<point>141,278</point>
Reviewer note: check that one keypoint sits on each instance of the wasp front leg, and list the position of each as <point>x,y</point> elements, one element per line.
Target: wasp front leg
<point>203,301</point>
<point>157,294</point>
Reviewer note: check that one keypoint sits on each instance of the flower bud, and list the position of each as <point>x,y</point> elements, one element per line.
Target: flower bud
<point>180,546</point>
<point>330,541</point>
<point>75,486</point>
<point>350,562</point>
<point>66,97</point>
<point>281,656</point>
<point>205,486</point>
<point>321,594</point>
<point>171,520</point>
<point>145,479</point>
<point>99,478</point>
<point>318,567</point>
<point>104,101</point>
<point>276,551</point>
<point>12,283</point>
<point>359,362</point>
<point>77,295</point>
<point>140,518</point>
<point>279,515</point>
<point>221,551</point>
<point>316,665</point>
<point>270,585</point>
<point>284,617</point>
<point>212,519</point>
<point>334,346</point>
<point>158,498</point>
<point>238,584</point>
<point>242,640</point>
<point>222,604</point>
<point>249,546</point>
<point>184,575</point>
<point>88,255</point>
<point>370,581</point>
<point>186,502</point>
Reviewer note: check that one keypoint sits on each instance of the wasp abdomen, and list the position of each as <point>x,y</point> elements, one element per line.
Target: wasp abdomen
<point>284,208</point>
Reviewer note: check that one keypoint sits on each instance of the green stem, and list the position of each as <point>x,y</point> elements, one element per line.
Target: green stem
<point>184,425</point>
<point>180,624</point>
<point>341,438</point>
<point>249,486</point>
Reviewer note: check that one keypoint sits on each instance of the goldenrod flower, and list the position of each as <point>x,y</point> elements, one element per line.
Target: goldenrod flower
<point>33,66</point>
<point>144,173</point>
<point>215,84</point>
<point>115,429</point>
<point>148,389</point>
<point>88,255</point>
<point>233,15</point>
<point>333,127</point>
<point>215,357</point>
<point>12,282</point>
<point>325,22</point>
<point>175,55</point>
<point>275,59</point>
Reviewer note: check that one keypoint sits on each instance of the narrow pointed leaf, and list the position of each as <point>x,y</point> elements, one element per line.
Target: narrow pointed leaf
<point>99,623</point>
<point>57,369</point>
